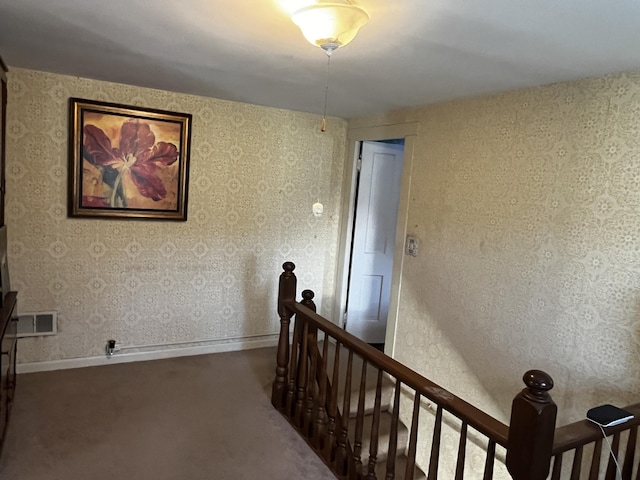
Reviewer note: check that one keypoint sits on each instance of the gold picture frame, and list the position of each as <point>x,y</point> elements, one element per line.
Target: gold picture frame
<point>127,162</point>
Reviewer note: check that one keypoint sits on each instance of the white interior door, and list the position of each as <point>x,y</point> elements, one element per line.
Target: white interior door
<point>373,246</point>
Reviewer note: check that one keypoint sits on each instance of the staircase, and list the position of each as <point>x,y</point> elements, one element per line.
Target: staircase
<point>362,448</point>
<point>345,403</point>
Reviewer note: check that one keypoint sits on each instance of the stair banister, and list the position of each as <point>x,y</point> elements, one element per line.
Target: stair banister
<point>303,381</point>
<point>286,293</point>
<point>529,440</point>
<point>481,421</point>
<point>531,429</point>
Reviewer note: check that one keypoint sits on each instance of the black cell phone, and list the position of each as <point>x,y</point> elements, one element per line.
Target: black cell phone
<point>608,415</point>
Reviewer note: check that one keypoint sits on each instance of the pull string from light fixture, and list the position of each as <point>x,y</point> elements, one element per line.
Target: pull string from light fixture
<point>323,126</point>
<point>329,24</point>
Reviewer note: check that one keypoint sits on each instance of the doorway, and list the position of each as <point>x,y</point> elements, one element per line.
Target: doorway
<point>375,217</point>
<point>388,134</point>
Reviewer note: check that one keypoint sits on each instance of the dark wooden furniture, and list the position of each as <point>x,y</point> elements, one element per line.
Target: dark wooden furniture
<point>3,134</point>
<point>8,325</point>
<point>8,347</point>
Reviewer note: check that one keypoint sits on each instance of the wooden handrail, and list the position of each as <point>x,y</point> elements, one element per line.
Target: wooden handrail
<point>584,432</point>
<point>474,417</point>
<point>305,390</point>
<point>7,308</point>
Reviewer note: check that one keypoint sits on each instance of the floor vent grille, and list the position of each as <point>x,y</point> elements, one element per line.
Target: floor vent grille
<point>37,324</point>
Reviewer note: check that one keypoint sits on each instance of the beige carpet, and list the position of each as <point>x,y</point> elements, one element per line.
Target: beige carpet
<point>189,418</point>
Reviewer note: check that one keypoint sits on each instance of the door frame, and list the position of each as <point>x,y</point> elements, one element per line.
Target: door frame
<point>408,131</point>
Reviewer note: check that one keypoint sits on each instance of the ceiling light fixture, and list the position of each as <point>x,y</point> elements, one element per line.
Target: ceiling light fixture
<point>330,25</point>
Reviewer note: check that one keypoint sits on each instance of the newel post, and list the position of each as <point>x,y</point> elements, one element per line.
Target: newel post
<point>286,292</point>
<point>533,423</point>
<point>307,299</point>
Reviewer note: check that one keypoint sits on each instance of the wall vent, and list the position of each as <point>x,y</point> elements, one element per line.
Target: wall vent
<point>38,323</point>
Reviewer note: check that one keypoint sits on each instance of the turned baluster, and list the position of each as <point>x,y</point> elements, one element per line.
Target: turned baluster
<point>357,444</point>
<point>312,348</point>
<point>393,437</point>
<point>413,439</point>
<point>321,405</point>
<point>627,468</point>
<point>331,441</point>
<point>533,419</point>
<point>293,370</point>
<point>611,467</point>
<point>295,394</point>
<point>577,464</point>
<point>490,460</point>
<point>342,461</point>
<point>595,460</point>
<point>435,446</point>
<point>462,450</point>
<point>301,392</point>
<point>286,292</point>
<point>375,429</point>
<point>557,467</point>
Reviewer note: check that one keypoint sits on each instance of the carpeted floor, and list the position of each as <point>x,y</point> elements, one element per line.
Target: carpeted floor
<point>189,418</point>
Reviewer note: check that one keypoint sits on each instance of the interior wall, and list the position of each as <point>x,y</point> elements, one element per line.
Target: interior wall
<point>254,174</point>
<point>526,204</point>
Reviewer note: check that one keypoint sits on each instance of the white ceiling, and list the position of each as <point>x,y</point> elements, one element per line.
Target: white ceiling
<point>412,52</point>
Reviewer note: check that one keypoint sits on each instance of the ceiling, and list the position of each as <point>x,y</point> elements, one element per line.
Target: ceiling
<point>412,52</point>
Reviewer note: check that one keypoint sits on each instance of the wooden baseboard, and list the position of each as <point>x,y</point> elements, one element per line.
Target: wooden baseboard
<point>124,357</point>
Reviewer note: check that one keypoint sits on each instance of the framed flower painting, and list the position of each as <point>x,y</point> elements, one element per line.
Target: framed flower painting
<point>128,162</point>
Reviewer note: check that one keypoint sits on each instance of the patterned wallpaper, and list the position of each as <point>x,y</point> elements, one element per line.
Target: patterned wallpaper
<point>527,205</point>
<point>255,172</point>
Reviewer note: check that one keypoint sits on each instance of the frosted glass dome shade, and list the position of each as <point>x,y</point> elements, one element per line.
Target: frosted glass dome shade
<point>330,25</point>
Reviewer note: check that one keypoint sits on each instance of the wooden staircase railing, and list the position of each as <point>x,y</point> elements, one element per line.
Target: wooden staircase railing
<point>325,375</point>
<point>582,443</point>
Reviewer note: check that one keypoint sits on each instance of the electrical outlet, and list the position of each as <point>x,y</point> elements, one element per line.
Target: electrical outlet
<point>411,247</point>
<point>112,347</point>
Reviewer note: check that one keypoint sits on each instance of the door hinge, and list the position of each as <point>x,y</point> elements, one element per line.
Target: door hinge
<point>359,163</point>
<point>344,320</point>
